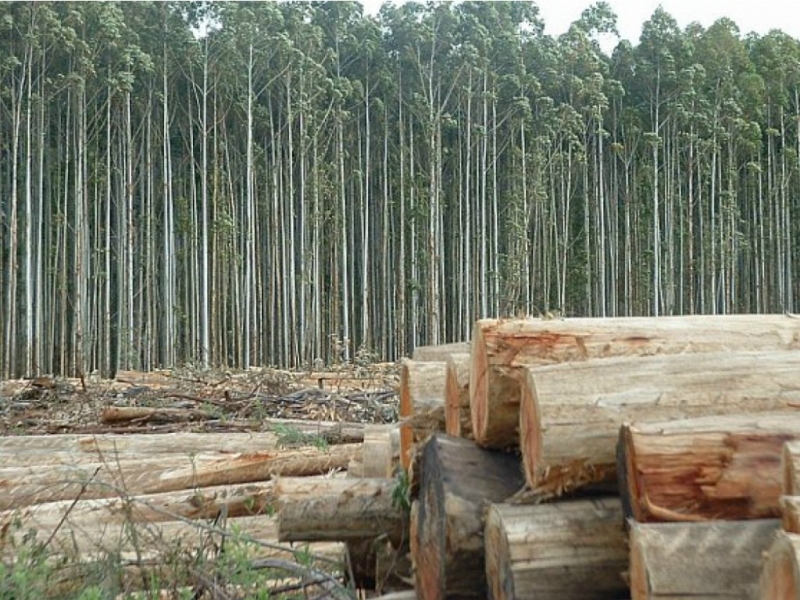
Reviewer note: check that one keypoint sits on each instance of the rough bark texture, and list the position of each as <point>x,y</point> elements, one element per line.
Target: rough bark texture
<point>457,479</point>
<point>458,420</point>
<point>691,561</point>
<point>500,348</point>
<point>421,403</point>
<point>725,467</point>
<point>571,550</point>
<point>780,576</point>
<point>571,413</point>
<point>313,509</point>
<point>157,474</point>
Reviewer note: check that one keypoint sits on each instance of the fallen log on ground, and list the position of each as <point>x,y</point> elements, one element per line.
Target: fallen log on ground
<point>780,576</point>
<point>456,479</point>
<point>571,550</point>
<point>312,509</point>
<point>86,525</point>
<point>156,474</point>
<point>687,561</point>
<point>500,348</point>
<point>421,403</point>
<point>720,467</point>
<point>457,417</point>
<point>571,413</point>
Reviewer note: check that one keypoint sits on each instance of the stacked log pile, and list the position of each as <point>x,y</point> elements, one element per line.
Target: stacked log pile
<point>610,458</point>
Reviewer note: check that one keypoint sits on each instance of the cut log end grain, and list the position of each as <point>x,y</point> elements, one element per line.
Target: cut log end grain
<point>422,386</point>
<point>780,577</point>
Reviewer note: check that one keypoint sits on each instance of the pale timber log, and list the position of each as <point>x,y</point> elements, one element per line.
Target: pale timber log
<point>457,479</point>
<point>570,550</point>
<point>790,513</point>
<point>313,509</point>
<point>381,450</point>
<point>87,525</point>
<point>790,461</point>
<point>720,467</point>
<point>780,576</point>
<point>156,474</point>
<point>571,413</point>
<point>500,348</point>
<point>457,417</point>
<point>440,352</point>
<point>691,561</point>
<point>421,403</point>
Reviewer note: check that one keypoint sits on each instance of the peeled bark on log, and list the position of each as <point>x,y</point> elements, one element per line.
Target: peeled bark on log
<point>726,467</point>
<point>440,352</point>
<point>457,479</point>
<point>90,524</point>
<point>24,486</point>
<point>421,403</point>
<point>571,413</point>
<point>691,561</point>
<point>780,576</point>
<point>790,466</point>
<point>70,449</point>
<point>313,509</point>
<point>500,348</point>
<point>571,550</point>
<point>457,417</point>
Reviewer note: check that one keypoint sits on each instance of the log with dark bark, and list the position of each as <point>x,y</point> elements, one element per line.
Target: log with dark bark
<point>421,403</point>
<point>687,561</point>
<point>457,479</point>
<point>571,413</point>
<point>156,474</point>
<point>500,348</point>
<point>313,509</point>
<point>780,576</point>
<point>457,417</point>
<point>571,550</point>
<point>726,467</point>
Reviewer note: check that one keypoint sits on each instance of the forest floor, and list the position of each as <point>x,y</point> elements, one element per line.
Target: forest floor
<point>197,401</point>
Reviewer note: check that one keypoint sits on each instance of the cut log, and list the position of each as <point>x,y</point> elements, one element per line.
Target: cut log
<point>457,479</point>
<point>439,353</point>
<point>24,486</point>
<point>571,413</point>
<point>790,513</point>
<point>87,525</point>
<point>713,559</point>
<point>726,467</point>
<point>501,347</point>
<point>380,450</point>
<point>571,550</point>
<point>780,576</point>
<point>457,417</point>
<point>69,449</point>
<point>790,460</point>
<point>313,509</point>
<point>421,403</point>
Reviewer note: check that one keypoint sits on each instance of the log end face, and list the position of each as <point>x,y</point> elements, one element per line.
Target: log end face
<point>779,577</point>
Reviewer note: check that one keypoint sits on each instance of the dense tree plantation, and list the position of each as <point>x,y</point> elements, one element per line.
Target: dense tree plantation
<point>293,183</point>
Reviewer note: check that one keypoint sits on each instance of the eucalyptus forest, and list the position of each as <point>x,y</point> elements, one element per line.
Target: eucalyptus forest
<point>289,184</point>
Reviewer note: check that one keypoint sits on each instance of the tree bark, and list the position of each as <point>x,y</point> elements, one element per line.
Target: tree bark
<point>716,467</point>
<point>313,509</point>
<point>457,417</point>
<point>691,561</point>
<point>421,403</point>
<point>456,479</point>
<point>24,486</point>
<point>571,413</point>
<point>571,550</point>
<point>500,348</point>
<point>780,576</point>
